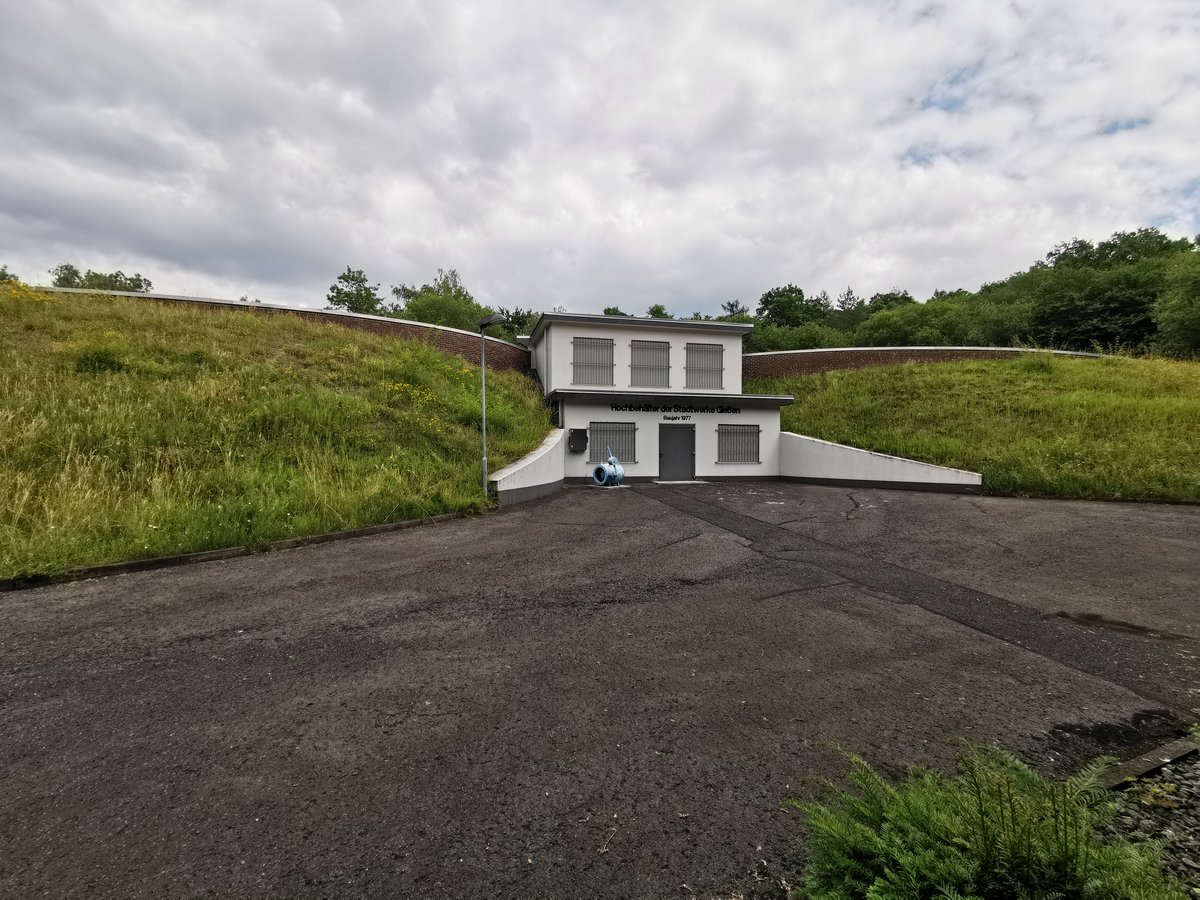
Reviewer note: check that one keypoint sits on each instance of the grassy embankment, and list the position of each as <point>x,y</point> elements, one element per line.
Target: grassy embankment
<point>132,429</point>
<point>1113,428</point>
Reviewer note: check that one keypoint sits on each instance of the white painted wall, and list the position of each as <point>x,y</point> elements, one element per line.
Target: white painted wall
<point>537,359</point>
<point>578,415</point>
<point>536,473</point>
<point>553,360</point>
<point>806,457</point>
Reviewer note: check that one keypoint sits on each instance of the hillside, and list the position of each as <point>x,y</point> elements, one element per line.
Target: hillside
<point>133,429</point>
<point>1113,428</point>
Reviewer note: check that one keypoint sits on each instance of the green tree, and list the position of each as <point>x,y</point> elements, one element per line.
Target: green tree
<point>658,311</point>
<point>732,308</point>
<point>849,310</point>
<point>6,275</point>
<point>848,300</point>
<point>788,307</point>
<point>116,281</point>
<point>1083,308</point>
<point>521,321</point>
<point>614,311</point>
<point>354,293</point>
<point>968,321</point>
<point>888,300</point>
<point>1124,248</point>
<point>1075,253</point>
<point>956,294</point>
<point>68,276</point>
<point>445,301</point>
<point>1177,310</point>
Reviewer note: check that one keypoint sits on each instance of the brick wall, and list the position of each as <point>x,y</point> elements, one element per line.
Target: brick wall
<point>500,354</point>
<point>791,363</point>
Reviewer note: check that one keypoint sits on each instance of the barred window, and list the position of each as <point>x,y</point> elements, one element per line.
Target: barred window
<point>737,443</point>
<point>705,367</point>
<point>593,360</point>
<point>650,364</point>
<point>620,436</point>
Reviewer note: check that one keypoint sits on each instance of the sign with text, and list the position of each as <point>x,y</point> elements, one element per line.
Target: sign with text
<point>678,408</point>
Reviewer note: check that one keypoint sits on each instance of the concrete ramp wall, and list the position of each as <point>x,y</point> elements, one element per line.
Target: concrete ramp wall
<point>821,462</point>
<point>534,475</point>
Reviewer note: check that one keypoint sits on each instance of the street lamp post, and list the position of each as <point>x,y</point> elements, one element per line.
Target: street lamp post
<point>494,319</point>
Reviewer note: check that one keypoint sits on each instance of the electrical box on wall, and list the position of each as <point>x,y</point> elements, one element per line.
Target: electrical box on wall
<point>577,440</point>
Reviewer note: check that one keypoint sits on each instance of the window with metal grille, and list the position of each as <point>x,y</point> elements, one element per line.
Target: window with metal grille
<point>593,362</point>
<point>620,436</point>
<point>650,364</point>
<point>737,443</point>
<point>705,367</point>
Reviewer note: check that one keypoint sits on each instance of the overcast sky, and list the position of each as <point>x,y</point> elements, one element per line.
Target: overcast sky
<point>588,154</point>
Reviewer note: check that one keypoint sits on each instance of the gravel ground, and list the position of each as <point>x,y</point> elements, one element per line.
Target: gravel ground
<point>1165,808</point>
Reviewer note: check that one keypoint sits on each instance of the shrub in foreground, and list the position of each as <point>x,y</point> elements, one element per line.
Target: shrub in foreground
<point>995,830</point>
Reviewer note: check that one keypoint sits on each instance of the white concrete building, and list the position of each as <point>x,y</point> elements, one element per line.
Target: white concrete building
<point>664,394</point>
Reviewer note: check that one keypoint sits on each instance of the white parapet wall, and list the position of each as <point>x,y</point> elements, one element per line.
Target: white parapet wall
<point>809,459</point>
<point>535,474</point>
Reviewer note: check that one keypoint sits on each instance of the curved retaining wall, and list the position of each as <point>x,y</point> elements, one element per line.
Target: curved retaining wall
<point>534,475</point>
<point>500,354</point>
<point>788,363</point>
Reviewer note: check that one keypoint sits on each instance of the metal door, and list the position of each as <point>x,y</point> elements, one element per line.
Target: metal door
<point>676,452</point>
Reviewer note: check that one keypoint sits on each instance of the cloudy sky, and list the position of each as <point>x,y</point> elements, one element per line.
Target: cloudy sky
<point>587,154</point>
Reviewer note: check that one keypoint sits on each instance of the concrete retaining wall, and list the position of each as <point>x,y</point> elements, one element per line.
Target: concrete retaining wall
<point>809,459</point>
<point>792,363</point>
<point>500,354</point>
<point>534,475</point>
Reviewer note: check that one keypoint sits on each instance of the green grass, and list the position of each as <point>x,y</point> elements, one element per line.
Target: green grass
<point>1115,428</point>
<point>133,429</point>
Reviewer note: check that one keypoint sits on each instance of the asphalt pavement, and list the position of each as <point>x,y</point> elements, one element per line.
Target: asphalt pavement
<point>603,693</point>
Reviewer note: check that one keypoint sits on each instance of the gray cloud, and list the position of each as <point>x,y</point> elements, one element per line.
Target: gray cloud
<point>585,154</point>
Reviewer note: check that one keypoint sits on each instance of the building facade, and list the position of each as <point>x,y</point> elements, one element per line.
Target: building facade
<point>664,395</point>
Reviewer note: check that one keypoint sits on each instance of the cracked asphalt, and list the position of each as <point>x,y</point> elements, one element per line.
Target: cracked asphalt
<point>603,693</point>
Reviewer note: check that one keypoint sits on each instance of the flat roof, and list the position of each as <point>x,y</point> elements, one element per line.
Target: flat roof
<point>660,398</point>
<point>632,322</point>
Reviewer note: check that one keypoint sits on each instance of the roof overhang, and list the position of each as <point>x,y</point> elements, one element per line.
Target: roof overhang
<point>633,322</point>
<point>650,398</point>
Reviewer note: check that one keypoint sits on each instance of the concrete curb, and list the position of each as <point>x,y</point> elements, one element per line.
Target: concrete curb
<point>1123,774</point>
<point>25,582</point>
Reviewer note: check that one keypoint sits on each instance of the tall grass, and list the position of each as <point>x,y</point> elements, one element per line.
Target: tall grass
<point>1113,428</point>
<point>133,429</point>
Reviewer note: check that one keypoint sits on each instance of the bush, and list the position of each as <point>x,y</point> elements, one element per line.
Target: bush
<point>1082,308</point>
<point>996,830</point>
<point>1177,311</point>
<point>970,322</point>
<point>68,276</point>
<point>810,336</point>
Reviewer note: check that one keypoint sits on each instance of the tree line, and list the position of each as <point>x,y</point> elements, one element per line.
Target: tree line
<point>1136,291</point>
<point>443,301</point>
<point>66,275</point>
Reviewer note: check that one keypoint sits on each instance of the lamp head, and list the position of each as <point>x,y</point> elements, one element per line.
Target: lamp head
<point>493,319</point>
